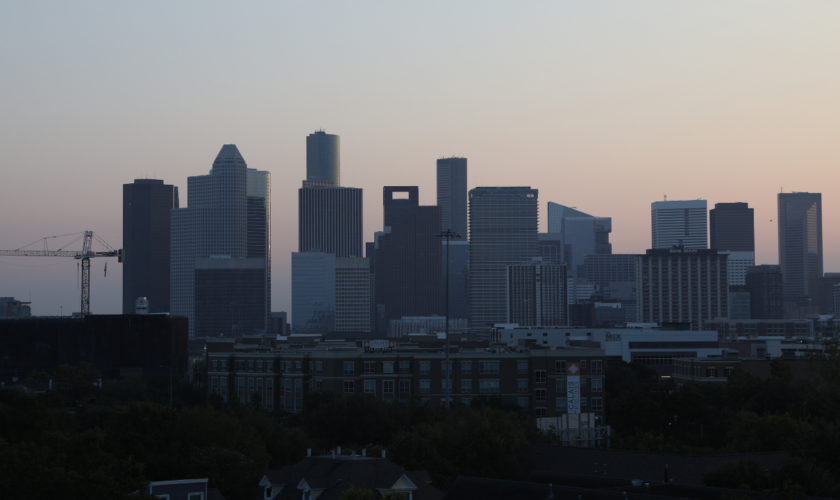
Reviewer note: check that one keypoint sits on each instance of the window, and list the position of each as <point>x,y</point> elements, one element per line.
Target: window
<point>195,496</point>
<point>269,366</point>
<point>522,366</point>
<point>298,366</point>
<point>259,385</point>
<point>388,387</point>
<point>260,365</point>
<point>466,386</point>
<point>240,365</point>
<point>562,405</point>
<point>370,367</point>
<point>250,384</point>
<point>405,386</point>
<point>348,368</point>
<point>466,401</point>
<point>224,364</point>
<point>405,367</point>
<point>583,381</point>
<point>582,402</point>
<point>522,402</point>
<point>539,395</point>
<point>539,375</point>
<point>488,386</point>
<point>425,367</point>
<point>319,367</point>
<point>319,385</point>
<point>444,367</point>
<point>215,364</point>
<point>269,384</point>
<point>582,364</point>
<point>214,383</point>
<point>348,386</point>
<point>597,404</point>
<point>387,367</point>
<point>560,367</point>
<point>488,367</point>
<point>711,372</point>
<point>560,386</point>
<point>596,366</point>
<point>443,385</point>
<point>425,386</point>
<point>728,371</point>
<point>250,365</point>
<point>522,385</point>
<point>597,385</point>
<point>370,387</point>
<point>466,367</point>
<point>269,402</point>
<point>540,412</point>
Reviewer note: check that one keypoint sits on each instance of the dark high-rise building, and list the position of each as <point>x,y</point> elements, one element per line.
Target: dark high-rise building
<point>582,234</point>
<point>259,227</point>
<point>459,262</point>
<point>550,247</point>
<point>408,257</point>
<point>323,159</point>
<point>800,241</point>
<point>146,206</point>
<point>682,285</point>
<point>536,294</point>
<point>330,220</point>
<point>230,297</point>
<point>503,231</point>
<point>764,284</point>
<point>452,194</point>
<point>821,290</point>
<point>732,227</point>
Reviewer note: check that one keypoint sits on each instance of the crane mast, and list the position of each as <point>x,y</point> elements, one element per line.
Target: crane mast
<point>84,256</point>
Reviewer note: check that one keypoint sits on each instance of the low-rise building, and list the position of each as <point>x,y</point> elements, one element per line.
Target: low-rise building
<point>535,378</point>
<point>718,370</point>
<point>730,329</point>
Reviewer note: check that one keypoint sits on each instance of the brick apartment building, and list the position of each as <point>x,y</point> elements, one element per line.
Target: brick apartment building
<point>282,374</point>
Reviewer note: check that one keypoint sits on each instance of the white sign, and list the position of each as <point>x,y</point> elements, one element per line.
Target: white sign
<point>573,387</point>
<point>379,345</point>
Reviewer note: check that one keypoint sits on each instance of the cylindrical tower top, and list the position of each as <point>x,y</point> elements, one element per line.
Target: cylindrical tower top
<point>323,154</point>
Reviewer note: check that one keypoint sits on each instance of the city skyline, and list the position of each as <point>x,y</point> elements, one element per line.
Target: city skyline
<point>692,126</point>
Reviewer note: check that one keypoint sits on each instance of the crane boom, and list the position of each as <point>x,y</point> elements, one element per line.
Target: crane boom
<point>84,255</point>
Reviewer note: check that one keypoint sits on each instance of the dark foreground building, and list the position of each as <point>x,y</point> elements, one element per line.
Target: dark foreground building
<point>114,344</point>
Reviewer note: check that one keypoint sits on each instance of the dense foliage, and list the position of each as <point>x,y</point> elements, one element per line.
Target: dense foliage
<point>115,438</point>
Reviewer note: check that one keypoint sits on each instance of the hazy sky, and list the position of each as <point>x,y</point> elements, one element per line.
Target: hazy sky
<point>604,106</point>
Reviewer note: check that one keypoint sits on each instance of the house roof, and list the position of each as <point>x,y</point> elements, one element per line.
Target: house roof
<point>623,464</point>
<point>333,475</point>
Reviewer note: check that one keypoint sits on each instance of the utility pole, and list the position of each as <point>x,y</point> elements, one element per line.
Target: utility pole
<point>448,234</point>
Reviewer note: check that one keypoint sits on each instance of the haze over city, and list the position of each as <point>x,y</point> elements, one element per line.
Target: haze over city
<point>604,107</point>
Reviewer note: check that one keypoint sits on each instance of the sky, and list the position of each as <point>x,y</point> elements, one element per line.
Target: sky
<point>605,106</point>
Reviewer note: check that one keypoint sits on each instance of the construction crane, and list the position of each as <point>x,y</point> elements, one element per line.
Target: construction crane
<point>84,255</point>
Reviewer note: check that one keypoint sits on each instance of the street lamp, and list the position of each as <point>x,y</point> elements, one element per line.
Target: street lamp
<point>448,234</point>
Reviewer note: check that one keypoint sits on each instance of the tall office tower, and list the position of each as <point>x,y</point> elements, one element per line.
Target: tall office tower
<point>503,231</point>
<point>679,285</point>
<point>764,283</point>
<point>732,227</point>
<point>738,263</point>
<point>146,206</point>
<point>615,277</point>
<point>536,294</point>
<point>452,194</point>
<point>739,302</point>
<point>821,290</point>
<point>550,247</point>
<point>582,234</point>
<point>323,159</point>
<point>678,223</point>
<point>259,227</point>
<point>313,292</point>
<point>459,268</point>
<point>800,241</point>
<point>279,324</point>
<point>409,257</point>
<point>230,296</point>
<point>352,294</point>
<point>215,223</point>
<point>330,220</point>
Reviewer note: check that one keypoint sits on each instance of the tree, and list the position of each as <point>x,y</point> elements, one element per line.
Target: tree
<point>75,383</point>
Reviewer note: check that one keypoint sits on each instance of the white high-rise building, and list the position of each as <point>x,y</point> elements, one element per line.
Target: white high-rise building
<point>737,265</point>
<point>228,214</point>
<point>679,223</point>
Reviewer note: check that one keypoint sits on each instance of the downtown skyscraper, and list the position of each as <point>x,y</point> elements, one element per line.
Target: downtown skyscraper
<point>800,241</point>
<point>503,232</point>
<point>581,234</point>
<point>678,223</point>
<point>732,227</point>
<point>452,194</point>
<point>323,159</point>
<point>146,207</point>
<point>227,217</point>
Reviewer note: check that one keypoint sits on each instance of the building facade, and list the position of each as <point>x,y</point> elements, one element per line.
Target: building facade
<point>146,207</point>
<point>452,194</point>
<point>800,241</point>
<point>581,235</point>
<point>536,294</point>
<point>682,285</point>
<point>458,278</point>
<point>503,231</point>
<point>534,379</point>
<point>678,223</point>
<point>313,292</point>
<point>215,223</point>
<point>737,265</point>
<point>330,220</point>
<point>352,294</point>
<point>732,227</point>
<point>323,159</point>
<point>230,297</point>
<point>739,302</point>
<point>765,286</point>
<point>821,292</point>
